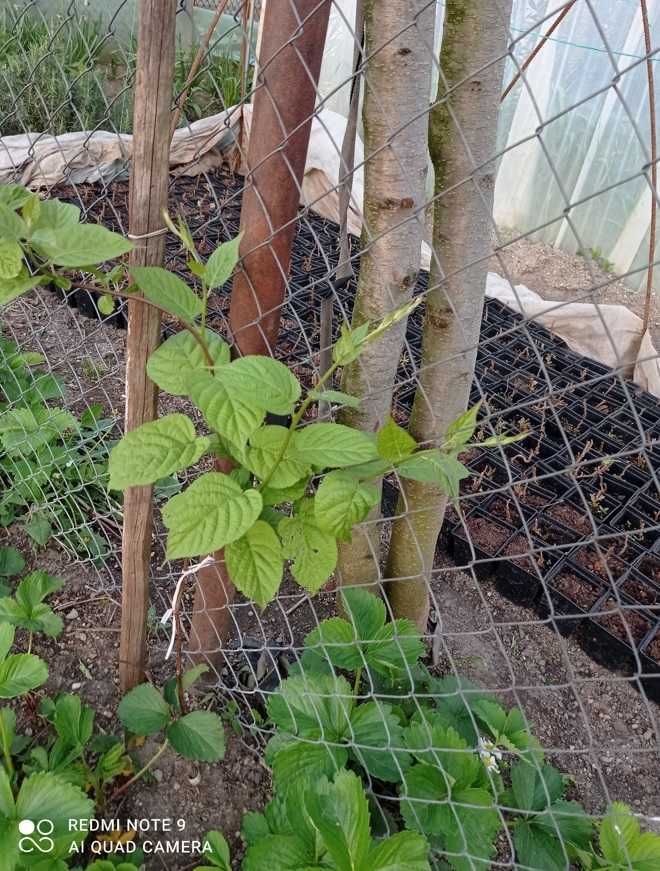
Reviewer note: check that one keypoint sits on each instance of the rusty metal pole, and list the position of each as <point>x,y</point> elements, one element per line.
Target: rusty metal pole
<point>293,38</point>
<point>290,57</point>
<point>148,197</point>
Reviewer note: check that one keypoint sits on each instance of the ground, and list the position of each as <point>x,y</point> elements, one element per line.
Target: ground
<point>593,723</point>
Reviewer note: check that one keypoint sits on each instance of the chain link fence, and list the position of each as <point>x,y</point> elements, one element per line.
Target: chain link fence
<point>544,592</point>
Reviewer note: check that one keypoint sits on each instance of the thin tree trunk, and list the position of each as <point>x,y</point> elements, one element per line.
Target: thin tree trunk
<point>397,84</point>
<point>462,141</point>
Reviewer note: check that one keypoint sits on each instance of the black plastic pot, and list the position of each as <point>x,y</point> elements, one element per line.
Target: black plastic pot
<point>641,529</point>
<point>469,553</point>
<point>649,655</point>
<point>560,602</point>
<point>640,589</point>
<point>607,633</point>
<point>528,562</point>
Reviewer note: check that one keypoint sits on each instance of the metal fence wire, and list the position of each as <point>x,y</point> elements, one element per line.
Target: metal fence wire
<point>545,587</point>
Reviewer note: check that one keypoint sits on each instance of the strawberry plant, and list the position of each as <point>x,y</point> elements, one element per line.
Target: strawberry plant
<point>622,846</point>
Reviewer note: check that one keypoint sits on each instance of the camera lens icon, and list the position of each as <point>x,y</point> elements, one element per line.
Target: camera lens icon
<point>42,842</point>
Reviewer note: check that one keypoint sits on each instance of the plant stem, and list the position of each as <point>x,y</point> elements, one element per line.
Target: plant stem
<point>141,772</point>
<point>295,420</point>
<point>358,678</point>
<point>29,647</point>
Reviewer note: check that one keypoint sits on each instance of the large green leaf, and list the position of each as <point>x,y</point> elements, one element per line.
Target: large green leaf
<point>279,853</point>
<point>539,849</point>
<point>233,417</point>
<point>340,812</point>
<point>219,855</point>
<point>313,706</point>
<point>301,763</point>
<point>56,215</point>
<point>198,735</point>
<point>405,851</point>
<point>155,450</point>
<point>12,288</point>
<point>377,741</point>
<point>168,291</point>
<point>267,382</point>
<point>76,245</point>
<point>332,445</point>
<point>11,562</point>
<point>211,513</point>
<point>14,196</point>
<point>42,797</point>
<point>21,673</point>
<point>144,711</point>
<point>313,551</point>
<point>221,263</point>
<point>255,563</point>
<point>394,443</point>
<point>271,457</point>
<point>174,362</point>
<point>11,259</point>
<point>342,501</point>
<point>433,743</point>
<point>470,825</point>
<point>435,467</point>
<point>535,789</point>
<point>12,226</point>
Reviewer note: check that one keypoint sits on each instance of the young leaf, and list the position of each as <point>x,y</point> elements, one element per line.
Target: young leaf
<point>268,383</point>
<point>38,528</point>
<point>144,711</point>
<point>106,304</point>
<point>154,450</point>
<point>313,706</point>
<point>218,856</point>
<point>350,343</point>
<point>341,502</point>
<point>333,445</point>
<point>269,459</point>
<point>234,417</point>
<point>21,673</point>
<point>222,263</point>
<point>167,290</point>
<point>28,609</point>
<point>312,549</point>
<point>199,736</point>
<point>255,563</point>
<point>460,431</point>
<point>174,362</point>
<point>394,443</point>
<point>435,467</point>
<point>335,397</point>
<point>75,245</point>
<point>73,721</point>
<point>211,513</point>
<point>14,196</point>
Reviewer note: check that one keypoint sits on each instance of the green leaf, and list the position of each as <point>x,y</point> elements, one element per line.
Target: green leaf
<point>300,762</point>
<point>405,851</point>
<point>377,740</point>
<point>278,495</point>
<point>73,721</point>
<point>14,196</point>
<point>313,706</point>
<point>172,364</point>
<point>28,609</point>
<point>255,563</point>
<point>335,397</point>
<point>568,821</point>
<point>218,856</point>
<point>336,640</point>
<point>106,304</point>
<point>461,430</point>
<point>279,853</point>
<point>348,346</point>
<point>7,634</point>
<point>394,443</point>
<point>12,227</point>
<point>199,736</point>
<point>618,832</point>
<point>211,513</point>
<point>11,561</point>
<point>154,450</point>
<point>46,796</point>
<point>38,528</point>
<point>271,457</point>
<point>222,263</point>
<point>537,848</point>
<point>434,467</point>
<point>497,440</point>
<point>341,815</point>
<point>233,417</point>
<point>11,259</point>
<point>341,502</point>
<point>56,215</point>
<point>21,673</point>
<point>533,789</point>
<point>76,245</point>
<point>268,383</point>
<point>313,551</point>
<point>12,288</point>
<point>144,711</point>
<point>168,291</point>
<point>333,445</point>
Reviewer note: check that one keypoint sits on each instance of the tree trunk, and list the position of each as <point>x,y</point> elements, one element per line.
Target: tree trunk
<point>462,141</point>
<point>397,85</point>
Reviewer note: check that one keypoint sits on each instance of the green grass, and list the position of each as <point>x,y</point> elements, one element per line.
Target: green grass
<point>59,79</point>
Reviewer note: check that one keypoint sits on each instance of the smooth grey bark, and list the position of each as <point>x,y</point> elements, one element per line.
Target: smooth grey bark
<point>462,142</point>
<point>397,86</point>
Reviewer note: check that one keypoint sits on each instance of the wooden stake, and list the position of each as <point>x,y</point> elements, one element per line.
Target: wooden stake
<point>147,200</point>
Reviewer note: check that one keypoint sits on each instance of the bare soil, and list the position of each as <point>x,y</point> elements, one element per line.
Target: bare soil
<point>577,589</point>
<point>637,625</point>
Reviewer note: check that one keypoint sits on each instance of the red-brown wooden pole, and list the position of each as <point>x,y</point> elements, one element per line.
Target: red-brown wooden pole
<point>293,38</point>
<point>147,199</point>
